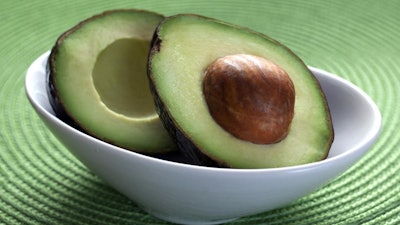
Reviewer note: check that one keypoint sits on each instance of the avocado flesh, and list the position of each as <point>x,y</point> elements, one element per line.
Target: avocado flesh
<point>183,47</point>
<point>97,80</point>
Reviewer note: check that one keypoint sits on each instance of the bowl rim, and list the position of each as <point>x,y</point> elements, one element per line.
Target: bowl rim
<point>370,137</point>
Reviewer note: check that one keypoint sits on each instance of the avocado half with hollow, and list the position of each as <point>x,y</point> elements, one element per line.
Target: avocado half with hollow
<point>233,97</point>
<point>97,80</point>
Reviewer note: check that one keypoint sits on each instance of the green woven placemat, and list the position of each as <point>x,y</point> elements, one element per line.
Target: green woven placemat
<point>42,183</point>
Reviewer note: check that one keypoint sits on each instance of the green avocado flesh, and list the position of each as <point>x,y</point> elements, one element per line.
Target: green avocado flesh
<point>183,47</point>
<point>97,79</point>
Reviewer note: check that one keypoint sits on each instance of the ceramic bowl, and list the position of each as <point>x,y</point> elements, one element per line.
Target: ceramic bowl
<point>189,194</point>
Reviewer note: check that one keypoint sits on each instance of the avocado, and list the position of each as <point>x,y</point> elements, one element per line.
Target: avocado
<point>233,97</point>
<point>97,80</point>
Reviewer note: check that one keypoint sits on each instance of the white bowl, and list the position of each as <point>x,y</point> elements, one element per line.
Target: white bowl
<point>189,194</point>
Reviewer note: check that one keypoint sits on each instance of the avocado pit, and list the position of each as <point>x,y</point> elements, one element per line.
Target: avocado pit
<point>250,97</point>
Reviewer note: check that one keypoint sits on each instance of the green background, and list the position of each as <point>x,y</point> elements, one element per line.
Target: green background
<point>42,183</point>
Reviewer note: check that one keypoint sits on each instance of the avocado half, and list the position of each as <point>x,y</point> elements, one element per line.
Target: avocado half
<point>183,47</point>
<point>97,80</point>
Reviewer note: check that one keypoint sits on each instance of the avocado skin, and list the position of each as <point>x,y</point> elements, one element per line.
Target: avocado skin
<point>55,101</point>
<point>188,149</point>
<point>192,153</point>
<point>53,97</point>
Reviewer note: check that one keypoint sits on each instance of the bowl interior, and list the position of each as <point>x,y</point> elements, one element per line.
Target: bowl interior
<point>356,118</point>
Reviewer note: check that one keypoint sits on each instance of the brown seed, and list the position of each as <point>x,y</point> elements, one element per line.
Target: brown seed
<point>250,97</point>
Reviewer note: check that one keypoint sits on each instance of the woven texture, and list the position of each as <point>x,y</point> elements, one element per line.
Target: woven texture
<point>42,183</point>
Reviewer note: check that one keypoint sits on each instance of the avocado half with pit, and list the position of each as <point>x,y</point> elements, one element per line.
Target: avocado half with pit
<point>97,80</point>
<point>233,97</point>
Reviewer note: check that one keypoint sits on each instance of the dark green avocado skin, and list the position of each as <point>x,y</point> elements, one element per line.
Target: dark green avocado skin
<point>52,89</point>
<point>53,97</point>
<point>185,145</point>
<point>54,100</point>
